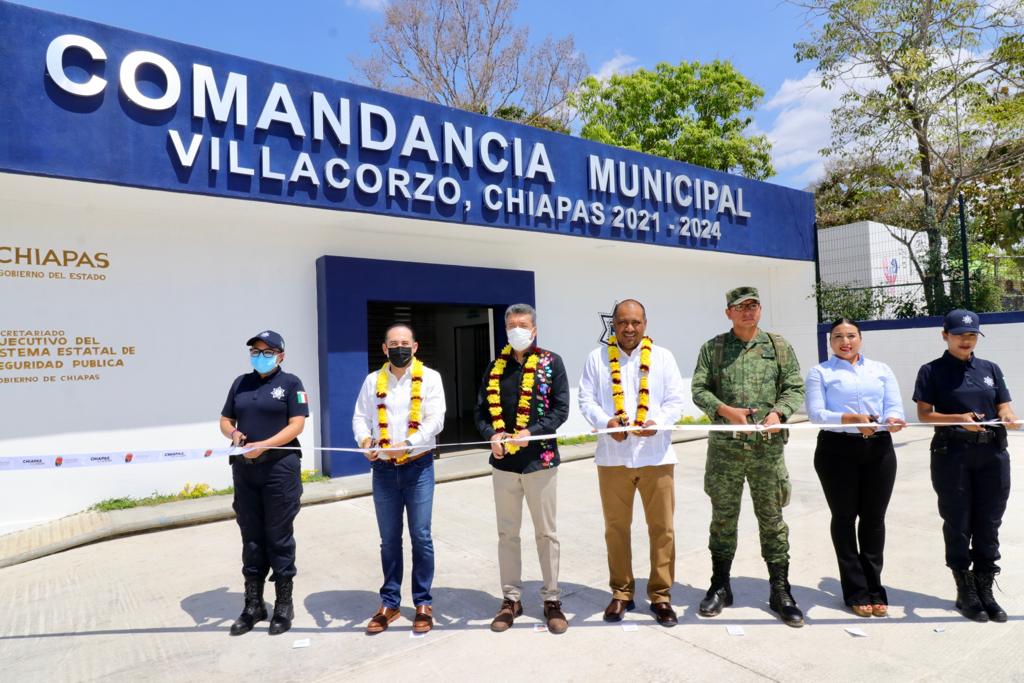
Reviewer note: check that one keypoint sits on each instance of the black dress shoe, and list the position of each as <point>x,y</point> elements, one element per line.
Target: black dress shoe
<point>664,614</point>
<point>616,608</point>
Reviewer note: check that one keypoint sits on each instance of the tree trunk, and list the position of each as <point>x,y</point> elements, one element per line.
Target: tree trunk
<point>934,290</point>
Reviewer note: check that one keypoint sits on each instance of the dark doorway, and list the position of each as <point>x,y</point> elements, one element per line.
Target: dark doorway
<point>457,341</point>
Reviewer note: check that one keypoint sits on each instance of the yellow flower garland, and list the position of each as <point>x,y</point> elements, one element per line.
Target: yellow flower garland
<point>525,393</point>
<point>415,405</point>
<point>643,399</point>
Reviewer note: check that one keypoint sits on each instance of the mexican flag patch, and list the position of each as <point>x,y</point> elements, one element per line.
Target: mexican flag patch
<point>300,397</point>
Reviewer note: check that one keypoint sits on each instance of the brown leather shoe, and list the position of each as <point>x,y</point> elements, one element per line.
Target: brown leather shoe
<point>557,623</point>
<point>507,613</point>
<point>424,619</point>
<point>664,614</point>
<point>380,621</point>
<point>616,608</point>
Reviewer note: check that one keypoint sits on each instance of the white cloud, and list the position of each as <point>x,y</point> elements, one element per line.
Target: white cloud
<point>619,64</point>
<point>372,5</point>
<point>802,127</point>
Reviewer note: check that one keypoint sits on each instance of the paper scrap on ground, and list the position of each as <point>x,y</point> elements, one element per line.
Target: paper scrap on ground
<point>940,629</point>
<point>301,642</point>
<point>540,628</point>
<point>856,632</point>
<point>413,634</point>
<point>734,630</point>
<point>630,627</point>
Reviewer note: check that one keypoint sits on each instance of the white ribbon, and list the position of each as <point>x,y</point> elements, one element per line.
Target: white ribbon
<point>35,462</point>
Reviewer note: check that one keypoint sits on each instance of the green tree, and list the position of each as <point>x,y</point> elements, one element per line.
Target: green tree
<point>934,98</point>
<point>512,112</point>
<point>692,112</point>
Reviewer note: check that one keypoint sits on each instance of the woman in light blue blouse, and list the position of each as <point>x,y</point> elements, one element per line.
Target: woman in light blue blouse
<point>856,464</point>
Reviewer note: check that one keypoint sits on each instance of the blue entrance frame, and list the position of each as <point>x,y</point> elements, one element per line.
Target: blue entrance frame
<point>344,286</point>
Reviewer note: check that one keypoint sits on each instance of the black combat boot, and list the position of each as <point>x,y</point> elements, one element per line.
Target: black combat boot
<point>781,600</point>
<point>283,610</point>
<point>983,582</point>
<point>254,610</point>
<point>967,600</point>
<point>720,593</point>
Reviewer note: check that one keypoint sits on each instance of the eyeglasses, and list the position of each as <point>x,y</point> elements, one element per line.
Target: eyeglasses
<point>266,353</point>
<point>749,306</point>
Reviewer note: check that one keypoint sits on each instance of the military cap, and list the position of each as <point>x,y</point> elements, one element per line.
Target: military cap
<point>741,294</point>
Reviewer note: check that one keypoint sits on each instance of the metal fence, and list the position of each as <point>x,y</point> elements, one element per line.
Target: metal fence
<point>871,271</point>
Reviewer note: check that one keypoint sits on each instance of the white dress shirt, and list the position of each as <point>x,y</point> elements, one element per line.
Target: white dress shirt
<point>364,419</point>
<point>668,396</point>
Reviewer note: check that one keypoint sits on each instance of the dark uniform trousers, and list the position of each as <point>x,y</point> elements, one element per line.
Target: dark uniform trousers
<point>266,503</point>
<point>973,484</point>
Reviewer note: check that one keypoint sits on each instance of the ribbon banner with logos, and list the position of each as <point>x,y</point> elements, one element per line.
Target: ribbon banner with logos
<point>126,458</point>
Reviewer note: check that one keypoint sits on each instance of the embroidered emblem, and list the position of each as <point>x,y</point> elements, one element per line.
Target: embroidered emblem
<point>277,393</point>
<point>967,320</point>
<point>989,382</point>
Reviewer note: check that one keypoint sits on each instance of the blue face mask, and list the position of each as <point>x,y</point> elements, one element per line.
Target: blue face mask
<point>264,365</point>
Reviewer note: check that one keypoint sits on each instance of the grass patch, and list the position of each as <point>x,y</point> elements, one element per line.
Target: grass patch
<point>189,492</point>
<point>689,420</point>
<point>576,440</point>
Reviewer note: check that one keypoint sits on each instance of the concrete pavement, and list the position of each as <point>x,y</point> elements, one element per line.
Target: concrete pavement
<point>157,606</point>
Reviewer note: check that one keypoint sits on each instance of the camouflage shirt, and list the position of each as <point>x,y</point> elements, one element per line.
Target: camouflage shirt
<point>748,377</point>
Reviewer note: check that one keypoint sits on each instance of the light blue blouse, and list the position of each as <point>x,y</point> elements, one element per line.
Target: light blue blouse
<point>837,386</point>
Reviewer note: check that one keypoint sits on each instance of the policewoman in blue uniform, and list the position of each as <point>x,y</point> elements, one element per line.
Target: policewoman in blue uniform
<point>970,465</point>
<point>266,411</point>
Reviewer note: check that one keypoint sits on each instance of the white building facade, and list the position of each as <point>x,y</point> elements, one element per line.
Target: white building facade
<point>163,203</point>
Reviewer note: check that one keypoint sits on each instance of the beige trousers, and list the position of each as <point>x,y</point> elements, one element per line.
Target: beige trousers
<point>618,487</point>
<point>539,489</point>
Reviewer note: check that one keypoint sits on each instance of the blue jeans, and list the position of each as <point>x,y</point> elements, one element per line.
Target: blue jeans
<point>410,489</point>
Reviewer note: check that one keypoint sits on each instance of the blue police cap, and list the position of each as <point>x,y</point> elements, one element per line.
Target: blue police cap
<point>961,320</point>
<point>268,337</point>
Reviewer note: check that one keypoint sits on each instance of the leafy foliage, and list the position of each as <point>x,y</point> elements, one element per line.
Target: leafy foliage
<point>690,112</point>
<point>934,106</point>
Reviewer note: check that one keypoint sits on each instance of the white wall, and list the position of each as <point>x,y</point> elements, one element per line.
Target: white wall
<point>191,278</point>
<point>905,351</point>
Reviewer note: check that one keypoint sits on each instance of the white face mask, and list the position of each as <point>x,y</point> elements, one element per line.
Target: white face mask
<point>519,338</point>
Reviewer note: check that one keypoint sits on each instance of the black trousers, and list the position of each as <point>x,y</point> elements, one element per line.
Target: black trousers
<point>973,485</point>
<point>266,503</point>
<point>857,476</point>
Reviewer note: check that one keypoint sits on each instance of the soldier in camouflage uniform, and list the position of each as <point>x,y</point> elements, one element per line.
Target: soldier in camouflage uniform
<point>748,376</point>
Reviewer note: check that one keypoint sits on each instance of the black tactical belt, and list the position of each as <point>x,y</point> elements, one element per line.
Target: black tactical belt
<point>987,436</point>
<point>271,455</point>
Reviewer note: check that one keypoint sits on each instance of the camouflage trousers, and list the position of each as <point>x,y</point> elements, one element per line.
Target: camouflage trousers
<point>762,465</point>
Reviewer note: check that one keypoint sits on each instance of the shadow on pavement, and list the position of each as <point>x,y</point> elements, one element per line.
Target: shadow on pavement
<point>346,607</point>
<point>217,606</point>
<point>455,609</point>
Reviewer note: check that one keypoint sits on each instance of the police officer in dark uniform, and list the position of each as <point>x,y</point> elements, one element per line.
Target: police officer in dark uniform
<point>970,465</point>
<point>266,411</point>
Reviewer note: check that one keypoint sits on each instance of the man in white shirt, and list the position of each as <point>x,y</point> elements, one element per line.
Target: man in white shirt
<point>402,405</point>
<point>639,460</point>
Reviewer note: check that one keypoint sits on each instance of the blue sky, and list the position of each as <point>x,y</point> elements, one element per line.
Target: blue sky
<point>318,36</point>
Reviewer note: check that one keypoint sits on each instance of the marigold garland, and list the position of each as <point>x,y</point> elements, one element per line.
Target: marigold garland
<point>415,406</point>
<point>525,393</point>
<point>643,399</point>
